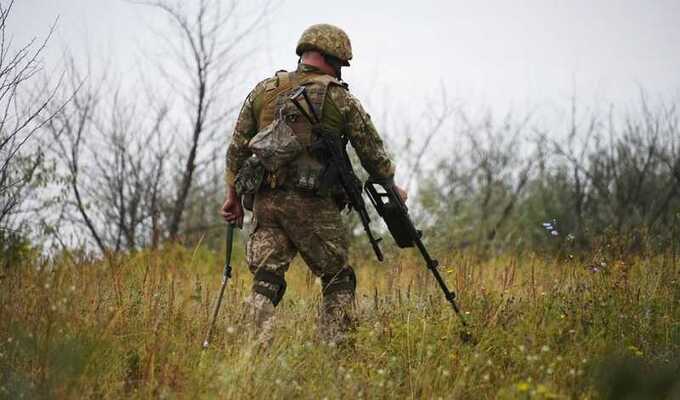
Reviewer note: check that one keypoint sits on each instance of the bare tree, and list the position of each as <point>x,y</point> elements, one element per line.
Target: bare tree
<point>20,118</point>
<point>120,152</point>
<point>207,48</point>
<point>113,159</point>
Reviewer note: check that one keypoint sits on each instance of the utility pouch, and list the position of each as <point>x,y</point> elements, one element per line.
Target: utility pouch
<point>275,145</point>
<point>306,179</point>
<point>248,181</point>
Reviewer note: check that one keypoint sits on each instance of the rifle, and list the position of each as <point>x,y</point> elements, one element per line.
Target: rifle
<point>226,274</point>
<point>388,203</point>
<point>394,212</point>
<point>332,147</point>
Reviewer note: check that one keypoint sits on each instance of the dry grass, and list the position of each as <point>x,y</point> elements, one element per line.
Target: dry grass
<point>132,326</point>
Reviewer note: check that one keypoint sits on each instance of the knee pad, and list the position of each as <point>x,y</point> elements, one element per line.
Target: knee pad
<point>270,285</point>
<point>345,281</point>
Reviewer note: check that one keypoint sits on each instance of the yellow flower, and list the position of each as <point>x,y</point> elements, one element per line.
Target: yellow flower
<point>635,351</point>
<point>523,387</point>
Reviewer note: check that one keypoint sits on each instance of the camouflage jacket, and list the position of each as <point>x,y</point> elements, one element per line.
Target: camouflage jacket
<point>340,109</point>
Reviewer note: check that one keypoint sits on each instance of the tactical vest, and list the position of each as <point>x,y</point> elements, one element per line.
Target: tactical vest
<point>304,171</point>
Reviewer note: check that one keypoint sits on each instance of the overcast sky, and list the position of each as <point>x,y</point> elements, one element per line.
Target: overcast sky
<point>520,55</point>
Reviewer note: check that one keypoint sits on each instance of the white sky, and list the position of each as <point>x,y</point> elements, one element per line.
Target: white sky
<point>507,55</point>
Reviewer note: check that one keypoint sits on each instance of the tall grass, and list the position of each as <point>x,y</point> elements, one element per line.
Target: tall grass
<point>131,326</point>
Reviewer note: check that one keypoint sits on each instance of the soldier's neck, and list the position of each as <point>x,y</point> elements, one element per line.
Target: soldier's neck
<point>316,60</point>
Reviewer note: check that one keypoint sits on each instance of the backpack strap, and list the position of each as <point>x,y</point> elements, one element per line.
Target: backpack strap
<point>281,82</point>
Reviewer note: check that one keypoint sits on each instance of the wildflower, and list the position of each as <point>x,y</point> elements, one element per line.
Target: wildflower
<point>549,371</point>
<point>381,372</point>
<point>446,372</point>
<point>636,351</point>
<point>486,377</point>
<point>522,387</point>
<point>572,372</point>
<point>521,348</point>
<point>545,349</point>
<point>571,237</point>
<point>230,330</point>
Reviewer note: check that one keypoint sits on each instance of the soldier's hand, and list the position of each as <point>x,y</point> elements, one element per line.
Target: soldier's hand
<point>402,193</point>
<point>232,211</point>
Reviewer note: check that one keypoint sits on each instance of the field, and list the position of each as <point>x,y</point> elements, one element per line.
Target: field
<point>544,327</point>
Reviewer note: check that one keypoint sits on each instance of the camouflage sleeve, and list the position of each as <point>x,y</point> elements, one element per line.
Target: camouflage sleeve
<point>364,137</point>
<point>245,129</point>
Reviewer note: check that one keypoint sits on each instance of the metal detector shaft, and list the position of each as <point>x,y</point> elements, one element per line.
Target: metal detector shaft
<point>225,277</point>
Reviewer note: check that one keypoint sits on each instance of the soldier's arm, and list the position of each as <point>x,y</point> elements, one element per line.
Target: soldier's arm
<point>363,136</point>
<point>245,129</point>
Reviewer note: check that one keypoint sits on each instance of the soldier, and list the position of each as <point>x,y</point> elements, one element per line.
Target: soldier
<point>291,214</point>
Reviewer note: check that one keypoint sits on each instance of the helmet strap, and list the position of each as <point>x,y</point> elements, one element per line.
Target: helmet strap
<point>335,63</point>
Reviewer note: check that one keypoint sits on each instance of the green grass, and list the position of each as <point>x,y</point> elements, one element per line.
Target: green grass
<point>132,327</point>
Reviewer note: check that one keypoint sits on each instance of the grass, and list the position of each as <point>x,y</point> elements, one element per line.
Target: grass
<point>132,327</point>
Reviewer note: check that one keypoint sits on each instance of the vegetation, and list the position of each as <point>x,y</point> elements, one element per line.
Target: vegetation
<point>544,327</point>
<point>561,241</point>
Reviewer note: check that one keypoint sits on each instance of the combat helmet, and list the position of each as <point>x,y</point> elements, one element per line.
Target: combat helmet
<point>328,39</point>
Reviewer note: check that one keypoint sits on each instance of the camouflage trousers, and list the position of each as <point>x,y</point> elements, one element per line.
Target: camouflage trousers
<point>288,222</point>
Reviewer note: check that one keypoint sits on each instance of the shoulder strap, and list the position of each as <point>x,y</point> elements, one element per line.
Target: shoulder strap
<point>283,81</point>
<point>326,80</point>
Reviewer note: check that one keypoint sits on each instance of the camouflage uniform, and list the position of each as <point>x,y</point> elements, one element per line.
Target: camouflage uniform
<point>289,220</point>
